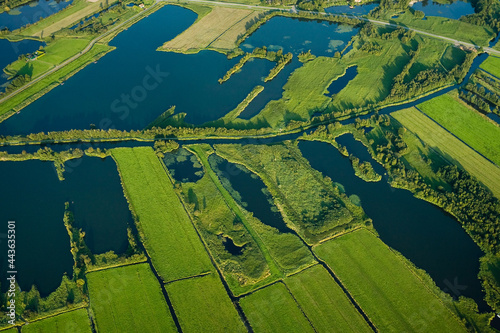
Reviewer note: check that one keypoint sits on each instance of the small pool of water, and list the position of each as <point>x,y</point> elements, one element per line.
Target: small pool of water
<point>183,166</point>
<point>231,247</point>
<point>341,82</point>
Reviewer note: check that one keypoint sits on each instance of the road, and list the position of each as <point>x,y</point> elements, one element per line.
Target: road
<point>218,3</point>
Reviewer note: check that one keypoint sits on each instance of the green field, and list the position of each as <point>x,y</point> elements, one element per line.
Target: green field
<point>55,53</point>
<point>166,230</point>
<point>492,65</point>
<point>467,124</point>
<point>393,297</point>
<point>450,147</point>
<point>202,305</point>
<point>324,302</point>
<point>273,309</point>
<point>462,31</point>
<point>75,321</point>
<point>128,299</point>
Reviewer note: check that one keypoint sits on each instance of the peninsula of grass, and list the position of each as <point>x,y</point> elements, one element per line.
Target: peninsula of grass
<point>164,226</point>
<point>74,321</point>
<point>324,302</point>
<point>391,295</point>
<point>128,299</point>
<point>466,123</point>
<point>492,65</point>
<point>273,309</point>
<point>202,305</point>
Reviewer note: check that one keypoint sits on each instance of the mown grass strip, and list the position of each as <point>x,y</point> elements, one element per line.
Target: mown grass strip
<point>452,149</point>
<point>324,302</point>
<point>74,321</point>
<point>273,309</point>
<point>393,297</point>
<point>167,232</point>
<point>467,124</point>
<point>129,299</point>
<point>202,305</point>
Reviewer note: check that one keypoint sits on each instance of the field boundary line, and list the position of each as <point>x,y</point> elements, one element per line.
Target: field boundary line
<point>98,269</point>
<point>465,143</point>
<point>300,307</point>
<point>188,277</point>
<point>216,38</point>
<point>82,305</point>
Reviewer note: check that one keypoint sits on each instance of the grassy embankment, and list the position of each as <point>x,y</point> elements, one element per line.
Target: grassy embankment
<point>442,26</point>
<point>217,30</point>
<point>74,321</point>
<point>316,212</point>
<point>176,250</point>
<point>128,299</point>
<point>324,302</point>
<point>392,296</point>
<point>273,309</point>
<point>454,150</point>
<point>467,124</point>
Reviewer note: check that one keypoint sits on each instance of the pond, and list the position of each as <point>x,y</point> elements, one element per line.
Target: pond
<point>249,191</point>
<point>425,234</point>
<point>337,85</point>
<point>30,13</point>
<point>34,197</point>
<point>150,82</point>
<point>356,10</point>
<point>11,52</point>
<point>183,166</point>
<point>453,10</point>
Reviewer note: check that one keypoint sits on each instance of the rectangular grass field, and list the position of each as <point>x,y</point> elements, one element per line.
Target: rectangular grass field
<point>75,321</point>
<point>393,297</point>
<point>324,302</point>
<point>492,65</point>
<point>128,299</point>
<point>273,309</point>
<point>202,305</point>
<point>168,234</point>
<point>450,147</point>
<point>466,123</point>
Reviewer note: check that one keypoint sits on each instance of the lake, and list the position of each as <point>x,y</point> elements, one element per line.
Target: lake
<point>34,197</point>
<point>432,239</point>
<point>171,78</point>
<point>30,13</point>
<point>454,10</point>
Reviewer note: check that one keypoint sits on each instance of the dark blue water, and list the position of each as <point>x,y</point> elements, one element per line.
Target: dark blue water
<point>183,166</point>
<point>494,117</point>
<point>231,247</point>
<point>340,83</point>
<point>30,13</point>
<point>33,196</point>
<point>357,149</point>
<point>295,36</point>
<point>131,86</point>
<point>11,52</point>
<point>423,233</point>
<point>357,10</point>
<point>250,189</point>
<point>455,10</point>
